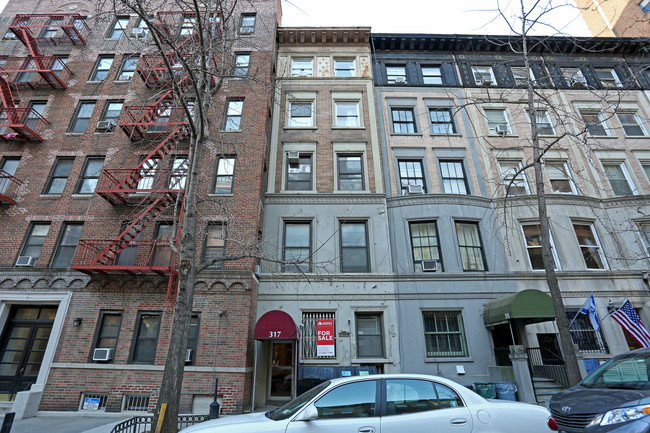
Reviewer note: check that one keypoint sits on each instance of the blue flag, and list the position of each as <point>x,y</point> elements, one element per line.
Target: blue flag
<point>589,307</point>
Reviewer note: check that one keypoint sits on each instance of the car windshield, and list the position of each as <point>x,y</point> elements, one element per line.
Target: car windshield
<point>621,373</point>
<point>296,404</point>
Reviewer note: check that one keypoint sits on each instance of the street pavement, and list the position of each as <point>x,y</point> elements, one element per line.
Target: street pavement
<point>67,422</point>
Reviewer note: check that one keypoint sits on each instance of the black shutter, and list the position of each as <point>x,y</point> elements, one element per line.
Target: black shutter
<point>466,75</point>
<point>449,76</point>
<point>625,76</point>
<point>541,77</point>
<point>593,82</point>
<point>503,76</point>
<point>413,75</point>
<point>557,76</point>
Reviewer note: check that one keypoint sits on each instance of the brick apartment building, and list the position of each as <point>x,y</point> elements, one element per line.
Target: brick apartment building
<point>616,18</point>
<point>94,156</point>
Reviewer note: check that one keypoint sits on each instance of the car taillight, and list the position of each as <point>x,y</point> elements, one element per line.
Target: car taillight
<point>552,424</point>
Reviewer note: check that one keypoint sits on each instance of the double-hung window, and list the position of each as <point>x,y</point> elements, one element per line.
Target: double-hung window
<point>533,242</point>
<point>102,67</point>
<point>178,174</point>
<point>119,26</point>
<point>247,24</point>
<point>141,30</point>
<point>28,74</point>
<point>225,175</point>
<point>188,25</point>
<point>497,121</point>
<point>484,76</point>
<point>34,242</point>
<point>544,123</point>
<point>347,114</point>
<point>471,247</point>
<point>411,173</point>
<point>302,68</point>
<point>442,121</point>
<point>574,77</point>
<point>301,114</point>
<point>108,330</point>
<point>297,247</point>
<point>453,177</point>
<point>145,338</point>
<point>595,123</point>
<point>81,117</point>
<point>619,178</point>
<point>645,6</point>
<point>344,68</point>
<point>559,176</point>
<point>425,243</point>
<point>444,334</point>
<point>51,30</point>
<point>8,169</point>
<point>350,172</point>
<point>608,77</point>
<point>589,246</point>
<point>354,247</point>
<point>513,178</point>
<point>90,175</point>
<point>129,65</point>
<point>111,113</point>
<point>644,232</point>
<point>242,63</point>
<point>193,339</point>
<point>67,245</point>
<point>403,120</point>
<point>396,74</point>
<point>431,75</point>
<point>234,110</point>
<point>632,124</point>
<point>59,175</point>
<point>523,76</point>
<point>299,171</point>
<point>370,335</point>
<point>215,244</point>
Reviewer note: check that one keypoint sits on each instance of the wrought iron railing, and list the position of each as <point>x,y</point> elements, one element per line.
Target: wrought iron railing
<point>545,363</point>
<point>142,424</point>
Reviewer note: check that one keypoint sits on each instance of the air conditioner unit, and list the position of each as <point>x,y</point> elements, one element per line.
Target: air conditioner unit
<point>400,79</point>
<point>294,157</point>
<point>102,354</point>
<point>26,261</point>
<point>578,81</point>
<point>486,81</point>
<point>415,189</point>
<point>138,33</point>
<point>105,125</point>
<point>124,77</point>
<point>429,265</point>
<point>188,355</point>
<point>501,129</point>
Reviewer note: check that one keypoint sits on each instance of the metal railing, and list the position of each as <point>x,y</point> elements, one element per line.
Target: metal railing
<point>502,356</point>
<point>52,28</point>
<point>37,72</point>
<point>27,123</point>
<point>8,187</point>
<point>545,363</point>
<point>142,424</point>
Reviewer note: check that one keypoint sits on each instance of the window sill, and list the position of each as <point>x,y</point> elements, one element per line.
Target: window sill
<point>370,361</point>
<point>94,82</point>
<point>298,128</point>
<point>121,81</point>
<point>318,361</point>
<point>503,136</point>
<point>104,132</point>
<point>602,136</point>
<point>638,136</point>
<point>349,127</point>
<point>214,194</point>
<point>446,135</point>
<point>298,191</point>
<point>232,130</point>
<point>75,134</point>
<point>82,196</point>
<point>50,195</point>
<point>414,134</point>
<point>449,359</point>
<point>338,191</point>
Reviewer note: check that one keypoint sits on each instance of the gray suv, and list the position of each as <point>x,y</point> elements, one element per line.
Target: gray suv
<point>614,398</point>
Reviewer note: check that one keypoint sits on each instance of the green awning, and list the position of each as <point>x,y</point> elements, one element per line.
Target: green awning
<point>530,305</point>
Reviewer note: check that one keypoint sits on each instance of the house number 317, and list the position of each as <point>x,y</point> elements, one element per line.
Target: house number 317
<point>274,334</point>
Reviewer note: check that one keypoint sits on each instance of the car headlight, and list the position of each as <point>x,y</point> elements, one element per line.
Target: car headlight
<point>624,414</point>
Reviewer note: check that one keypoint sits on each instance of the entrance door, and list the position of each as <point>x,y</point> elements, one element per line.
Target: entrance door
<point>550,349</point>
<point>281,370</point>
<point>22,348</point>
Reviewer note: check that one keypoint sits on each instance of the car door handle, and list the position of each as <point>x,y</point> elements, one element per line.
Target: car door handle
<point>458,421</point>
<point>367,429</point>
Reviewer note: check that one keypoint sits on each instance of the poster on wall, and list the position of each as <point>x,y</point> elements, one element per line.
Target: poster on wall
<point>325,342</point>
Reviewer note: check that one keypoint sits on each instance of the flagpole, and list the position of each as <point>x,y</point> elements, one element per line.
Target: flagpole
<point>580,309</point>
<point>620,304</point>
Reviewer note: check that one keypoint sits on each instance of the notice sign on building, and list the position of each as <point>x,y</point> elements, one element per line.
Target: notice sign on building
<point>325,342</point>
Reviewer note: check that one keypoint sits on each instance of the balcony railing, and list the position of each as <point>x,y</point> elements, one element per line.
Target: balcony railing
<point>8,187</point>
<point>127,185</point>
<point>137,258</point>
<point>36,72</point>
<point>151,121</point>
<point>21,124</point>
<point>51,28</point>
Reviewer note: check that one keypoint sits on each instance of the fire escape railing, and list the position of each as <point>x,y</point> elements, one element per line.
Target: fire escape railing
<point>8,187</point>
<point>51,28</point>
<point>36,72</point>
<point>21,124</point>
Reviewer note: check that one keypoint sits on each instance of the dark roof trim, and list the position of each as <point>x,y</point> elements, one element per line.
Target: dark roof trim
<point>324,35</point>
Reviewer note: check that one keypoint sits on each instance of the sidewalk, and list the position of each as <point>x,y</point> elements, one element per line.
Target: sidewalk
<point>67,422</point>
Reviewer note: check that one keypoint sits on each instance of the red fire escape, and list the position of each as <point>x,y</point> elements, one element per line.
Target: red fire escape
<point>162,125</point>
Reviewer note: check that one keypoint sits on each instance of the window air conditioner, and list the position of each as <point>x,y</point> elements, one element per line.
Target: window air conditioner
<point>188,355</point>
<point>578,81</point>
<point>124,77</point>
<point>486,81</point>
<point>501,129</point>
<point>26,261</point>
<point>429,265</point>
<point>102,354</point>
<point>415,189</point>
<point>294,157</point>
<point>105,125</point>
<point>400,79</point>
<point>138,33</point>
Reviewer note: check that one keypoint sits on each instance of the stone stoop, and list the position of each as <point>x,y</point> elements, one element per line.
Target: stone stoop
<point>544,389</point>
<point>5,407</point>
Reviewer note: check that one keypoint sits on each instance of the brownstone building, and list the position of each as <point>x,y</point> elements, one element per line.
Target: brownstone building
<point>616,18</point>
<point>94,153</point>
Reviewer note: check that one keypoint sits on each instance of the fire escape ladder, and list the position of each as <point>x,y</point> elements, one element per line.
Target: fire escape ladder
<point>131,232</point>
<point>8,102</point>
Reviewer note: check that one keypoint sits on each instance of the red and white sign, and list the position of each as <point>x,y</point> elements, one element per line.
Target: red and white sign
<point>325,338</point>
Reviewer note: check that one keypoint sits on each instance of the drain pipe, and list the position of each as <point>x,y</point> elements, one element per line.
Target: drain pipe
<point>214,406</point>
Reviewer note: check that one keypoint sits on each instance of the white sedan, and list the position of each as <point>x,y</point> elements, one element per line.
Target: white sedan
<point>388,403</point>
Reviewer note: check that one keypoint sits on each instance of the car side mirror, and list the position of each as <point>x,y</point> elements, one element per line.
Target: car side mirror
<point>309,414</point>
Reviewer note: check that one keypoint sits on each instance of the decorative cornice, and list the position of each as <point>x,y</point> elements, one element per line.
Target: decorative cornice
<point>324,35</point>
<point>325,199</point>
<point>435,199</point>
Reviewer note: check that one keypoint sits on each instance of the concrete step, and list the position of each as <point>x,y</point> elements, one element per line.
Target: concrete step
<point>545,388</point>
<point>5,407</point>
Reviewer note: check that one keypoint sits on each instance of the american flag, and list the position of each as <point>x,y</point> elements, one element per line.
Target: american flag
<point>627,317</point>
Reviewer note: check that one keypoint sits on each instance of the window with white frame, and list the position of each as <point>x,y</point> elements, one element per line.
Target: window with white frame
<point>396,74</point>
<point>513,178</point>
<point>583,333</point>
<point>574,77</point>
<point>247,24</point>
<point>301,114</point>
<point>646,168</point>
<point>471,246</point>
<point>425,243</point>
<point>347,114</point>
<point>344,68</point>
<point>299,171</point>
<point>117,30</point>
<point>444,334</point>
<point>225,175</point>
<point>242,63</point>
<point>302,68</point>
<point>431,75</point>
<point>644,232</point>
<point>411,172</point>
<point>296,253</point>
<point>559,176</point>
<point>309,334</point>
<point>532,239</point>
<point>632,124</point>
<point>619,178</point>
<point>442,121</point>
<point>608,77</point>
<point>497,121</point>
<point>350,172</point>
<point>522,76</point>
<point>589,246</point>
<point>370,335</point>
<point>453,177</point>
<point>645,6</point>
<point>354,247</point>
<point>234,110</point>
<point>544,123</point>
<point>484,76</point>
<point>595,123</point>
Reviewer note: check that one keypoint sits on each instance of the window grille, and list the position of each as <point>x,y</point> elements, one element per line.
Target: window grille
<point>93,401</point>
<point>583,333</point>
<point>309,336</point>
<point>135,402</point>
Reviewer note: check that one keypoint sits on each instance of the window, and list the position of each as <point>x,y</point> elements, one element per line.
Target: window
<point>68,241</point>
<point>350,173</point>
<point>471,248</point>
<point>644,232</point>
<point>309,334</point>
<point>242,63</point>
<point>233,115</point>
<point>405,396</point>
<point>344,68</point>
<point>143,28</point>
<point>522,76</point>
<point>297,247</point>
<point>619,178</point>
<point>81,117</point>
<point>425,243</point>
<point>35,240</point>
<point>560,178</point>
<point>583,333</point>
<point>396,74</point>
<point>50,31</point>
<point>608,77</point>
<point>215,244</point>
<point>354,247</point>
<point>645,6</point>
<point>302,68</point>
<point>35,114</point>
<point>58,65</point>
<point>102,67</point>
<point>497,121</point>
<point>8,169</point>
<point>193,338</point>
<point>27,75</point>
<point>129,65</point>
<point>370,336</point>
<point>179,173</point>
<point>632,124</point>
<point>534,247</point>
<point>161,122</point>
<point>442,121</point>
<point>453,177</point>
<point>108,330</point>
<point>90,175</point>
<point>589,246</point>
<point>514,178</point>
<point>247,24</point>
<point>187,26</point>
<point>431,75</point>
<point>574,77</point>
<point>225,175</point>
<point>594,123</point>
<point>111,113</point>
<point>163,237</point>
<point>347,114</point>
<point>352,400</point>
<point>444,334</point>
<point>299,172</point>
<point>544,124</point>
<point>118,28</point>
<point>484,76</point>
<point>59,176</point>
<point>403,121</point>
<point>148,174</point>
<point>145,338</point>
<point>411,173</point>
<point>301,114</point>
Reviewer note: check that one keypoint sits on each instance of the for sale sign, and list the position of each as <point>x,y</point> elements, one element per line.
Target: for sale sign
<point>325,334</point>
